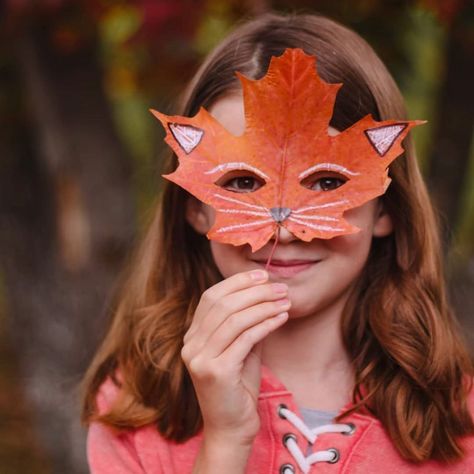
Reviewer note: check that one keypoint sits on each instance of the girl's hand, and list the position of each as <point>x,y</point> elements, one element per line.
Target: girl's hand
<point>231,318</point>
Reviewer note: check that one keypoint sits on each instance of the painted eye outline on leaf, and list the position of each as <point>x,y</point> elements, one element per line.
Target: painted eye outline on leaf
<point>321,171</point>
<point>238,170</point>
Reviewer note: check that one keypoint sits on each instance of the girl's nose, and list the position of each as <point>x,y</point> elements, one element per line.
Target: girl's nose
<point>284,236</point>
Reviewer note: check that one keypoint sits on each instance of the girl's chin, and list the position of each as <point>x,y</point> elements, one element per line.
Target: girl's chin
<point>301,308</point>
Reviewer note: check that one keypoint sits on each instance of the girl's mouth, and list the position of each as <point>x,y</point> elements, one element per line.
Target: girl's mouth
<point>287,268</point>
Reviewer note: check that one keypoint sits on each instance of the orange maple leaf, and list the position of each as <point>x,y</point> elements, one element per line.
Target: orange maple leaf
<point>285,144</point>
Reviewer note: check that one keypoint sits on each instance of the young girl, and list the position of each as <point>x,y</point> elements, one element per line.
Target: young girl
<point>341,356</point>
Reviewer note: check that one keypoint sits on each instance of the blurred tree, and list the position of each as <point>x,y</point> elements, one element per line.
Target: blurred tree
<point>450,173</point>
<point>20,449</point>
<point>66,215</point>
<point>451,142</point>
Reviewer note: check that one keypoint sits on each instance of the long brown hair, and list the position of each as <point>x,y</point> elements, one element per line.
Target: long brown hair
<point>406,349</point>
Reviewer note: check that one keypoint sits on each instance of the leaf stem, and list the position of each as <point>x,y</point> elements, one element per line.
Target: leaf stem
<point>277,238</point>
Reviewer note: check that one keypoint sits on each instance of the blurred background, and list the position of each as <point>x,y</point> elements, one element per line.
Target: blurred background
<point>79,170</point>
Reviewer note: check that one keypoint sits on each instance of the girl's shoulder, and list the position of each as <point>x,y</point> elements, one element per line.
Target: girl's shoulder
<point>134,450</point>
<point>470,398</point>
<point>110,451</point>
<point>107,394</point>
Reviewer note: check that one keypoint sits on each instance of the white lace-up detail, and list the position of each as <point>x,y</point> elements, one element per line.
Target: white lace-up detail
<point>304,463</point>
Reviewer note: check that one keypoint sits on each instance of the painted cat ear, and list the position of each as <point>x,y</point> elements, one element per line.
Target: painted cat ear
<point>187,136</point>
<point>382,138</point>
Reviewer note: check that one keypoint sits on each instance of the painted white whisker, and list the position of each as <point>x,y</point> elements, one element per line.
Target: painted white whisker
<point>242,203</point>
<point>327,167</point>
<point>315,226</point>
<point>244,211</point>
<point>237,165</point>
<point>317,218</point>
<point>320,206</point>
<point>240,226</point>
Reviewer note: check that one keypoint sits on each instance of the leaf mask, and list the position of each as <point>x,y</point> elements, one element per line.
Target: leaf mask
<point>286,147</point>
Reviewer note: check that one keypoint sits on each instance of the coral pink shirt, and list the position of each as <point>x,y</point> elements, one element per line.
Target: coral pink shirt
<point>367,449</point>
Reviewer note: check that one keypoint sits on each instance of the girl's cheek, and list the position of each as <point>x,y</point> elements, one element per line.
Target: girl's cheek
<point>347,243</point>
<point>229,259</point>
<point>361,217</point>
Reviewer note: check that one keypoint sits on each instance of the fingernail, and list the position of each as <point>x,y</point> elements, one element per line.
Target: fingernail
<point>281,315</point>
<point>258,275</point>
<point>283,302</point>
<point>280,288</point>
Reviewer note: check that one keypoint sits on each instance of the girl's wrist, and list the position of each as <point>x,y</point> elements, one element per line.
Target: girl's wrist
<point>241,439</point>
<point>228,440</point>
<point>222,453</point>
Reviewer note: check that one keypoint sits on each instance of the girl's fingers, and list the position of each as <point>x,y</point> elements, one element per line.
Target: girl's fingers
<point>238,323</point>
<point>238,351</point>
<point>234,283</point>
<point>206,370</point>
<point>218,291</point>
<point>231,304</point>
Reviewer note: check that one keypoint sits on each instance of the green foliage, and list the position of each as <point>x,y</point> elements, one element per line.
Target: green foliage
<point>464,237</point>
<point>423,43</point>
<point>120,23</point>
<point>216,23</point>
<point>124,62</point>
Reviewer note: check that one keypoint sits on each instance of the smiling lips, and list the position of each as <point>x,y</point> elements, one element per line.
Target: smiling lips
<point>287,268</point>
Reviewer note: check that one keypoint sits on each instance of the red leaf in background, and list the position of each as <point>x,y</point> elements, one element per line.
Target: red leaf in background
<point>165,19</point>
<point>445,10</point>
<point>286,146</point>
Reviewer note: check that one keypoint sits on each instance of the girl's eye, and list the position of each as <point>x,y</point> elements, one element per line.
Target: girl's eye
<point>247,183</point>
<point>323,183</point>
<point>327,184</point>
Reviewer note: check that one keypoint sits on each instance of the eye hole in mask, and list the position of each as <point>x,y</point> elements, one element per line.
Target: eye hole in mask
<point>240,181</point>
<point>324,181</point>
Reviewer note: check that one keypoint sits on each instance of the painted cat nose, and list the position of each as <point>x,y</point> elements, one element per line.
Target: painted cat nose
<point>279,214</point>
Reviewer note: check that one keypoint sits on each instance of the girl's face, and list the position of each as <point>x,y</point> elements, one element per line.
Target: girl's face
<point>319,273</point>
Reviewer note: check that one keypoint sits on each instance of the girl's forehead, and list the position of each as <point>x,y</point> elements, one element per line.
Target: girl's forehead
<point>229,111</point>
